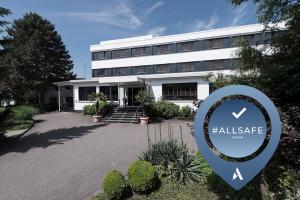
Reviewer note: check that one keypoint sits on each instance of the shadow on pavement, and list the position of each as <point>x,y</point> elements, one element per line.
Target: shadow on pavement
<point>45,139</point>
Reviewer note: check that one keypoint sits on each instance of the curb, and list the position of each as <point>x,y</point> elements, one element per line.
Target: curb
<point>8,140</point>
<point>91,195</point>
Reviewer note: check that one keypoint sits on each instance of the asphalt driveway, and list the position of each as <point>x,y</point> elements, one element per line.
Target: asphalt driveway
<point>65,156</point>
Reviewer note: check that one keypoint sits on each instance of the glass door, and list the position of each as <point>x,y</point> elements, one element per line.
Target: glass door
<point>131,93</point>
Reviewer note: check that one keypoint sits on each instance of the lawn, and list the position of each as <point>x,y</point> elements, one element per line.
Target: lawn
<point>17,117</point>
<point>173,191</point>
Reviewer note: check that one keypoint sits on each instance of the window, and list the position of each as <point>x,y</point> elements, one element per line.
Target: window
<point>214,65</point>
<point>141,51</point>
<point>140,70</point>
<point>123,71</point>
<point>102,72</point>
<point>162,49</point>
<point>255,39</point>
<point>98,55</point>
<point>186,46</point>
<point>121,53</point>
<point>85,92</point>
<point>111,92</point>
<point>101,55</point>
<point>68,87</point>
<point>179,91</point>
<point>53,100</point>
<point>162,69</point>
<point>187,67</point>
<point>217,43</point>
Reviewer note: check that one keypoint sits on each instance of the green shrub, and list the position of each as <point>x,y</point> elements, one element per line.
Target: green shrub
<point>173,159</point>
<point>163,153</point>
<point>141,176</point>
<point>166,109</point>
<point>185,111</point>
<point>2,109</point>
<point>288,184</point>
<point>5,115</point>
<point>207,172</point>
<point>91,109</point>
<point>24,112</point>
<point>104,107</point>
<point>114,185</point>
<point>185,168</point>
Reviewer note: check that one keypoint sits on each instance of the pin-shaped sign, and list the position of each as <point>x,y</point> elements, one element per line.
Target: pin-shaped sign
<point>237,129</point>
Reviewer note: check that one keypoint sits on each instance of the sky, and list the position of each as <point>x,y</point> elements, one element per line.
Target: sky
<point>82,23</point>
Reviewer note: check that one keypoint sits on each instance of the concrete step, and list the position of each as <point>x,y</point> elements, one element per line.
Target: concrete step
<point>128,114</point>
<point>121,121</point>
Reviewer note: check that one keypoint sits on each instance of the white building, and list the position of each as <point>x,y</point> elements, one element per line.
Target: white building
<point>173,67</point>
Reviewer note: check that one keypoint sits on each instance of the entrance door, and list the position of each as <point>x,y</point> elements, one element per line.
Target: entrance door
<point>131,93</point>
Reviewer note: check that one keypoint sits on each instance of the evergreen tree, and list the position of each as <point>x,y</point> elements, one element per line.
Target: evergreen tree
<point>37,57</point>
<point>3,68</point>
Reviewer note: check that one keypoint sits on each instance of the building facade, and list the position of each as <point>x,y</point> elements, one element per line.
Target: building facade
<point>172,68</point>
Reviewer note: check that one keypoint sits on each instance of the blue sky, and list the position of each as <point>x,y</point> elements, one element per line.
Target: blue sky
<point>85,22</point>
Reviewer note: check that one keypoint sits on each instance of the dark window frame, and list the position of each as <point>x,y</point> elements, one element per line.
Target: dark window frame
<point>180,91</point>
<point>84,92</point>
<point>171,68</point>
<point>107,90</point>
<point>175,47</point>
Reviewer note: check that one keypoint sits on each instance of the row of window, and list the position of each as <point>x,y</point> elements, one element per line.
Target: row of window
<point>196,45</point>
<point>111,93</point>
<point>166,68</point>
<point>179,91</point>
<point>175,91</point>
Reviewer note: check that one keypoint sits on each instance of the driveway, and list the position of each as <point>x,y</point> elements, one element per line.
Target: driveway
<point>65,156</point>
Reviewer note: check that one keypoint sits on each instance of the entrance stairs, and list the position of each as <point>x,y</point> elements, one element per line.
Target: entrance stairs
<point>126,114</point>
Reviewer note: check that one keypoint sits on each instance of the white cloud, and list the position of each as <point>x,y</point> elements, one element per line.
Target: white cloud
<point>202,25</point>
<point>154,7</point>
<point>120,15</point>
<point>240,14</point>
<point>157,30</point>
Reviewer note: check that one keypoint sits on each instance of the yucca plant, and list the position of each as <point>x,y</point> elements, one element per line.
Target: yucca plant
<point>185,168</point>
<point>163,153</point>
<point>98,97</point>
<point>172,159</point>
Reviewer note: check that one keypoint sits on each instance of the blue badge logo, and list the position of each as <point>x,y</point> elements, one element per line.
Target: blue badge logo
<point>237,128</point>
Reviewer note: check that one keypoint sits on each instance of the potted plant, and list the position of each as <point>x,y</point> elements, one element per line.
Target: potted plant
<point>98,97</point>
<point>145,99</point>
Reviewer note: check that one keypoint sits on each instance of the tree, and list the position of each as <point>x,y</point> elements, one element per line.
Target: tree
<point>37,57</point>
<point>145,99</point>
<point>3,12</point>
<point>276,74</point>
<point>98,97</point>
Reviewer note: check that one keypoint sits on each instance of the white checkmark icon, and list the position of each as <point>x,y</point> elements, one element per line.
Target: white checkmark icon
<point>239,114</point>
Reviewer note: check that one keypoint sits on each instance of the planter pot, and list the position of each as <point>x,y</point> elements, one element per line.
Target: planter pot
<point>96,118</point>
<point>144,120</point>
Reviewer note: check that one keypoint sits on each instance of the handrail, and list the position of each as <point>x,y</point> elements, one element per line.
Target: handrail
<point>110,108</point>
<point>137,111</point>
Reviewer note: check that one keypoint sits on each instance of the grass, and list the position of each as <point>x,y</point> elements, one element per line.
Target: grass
<point>23,112</point>
<point>17,117</point>
<point>20,124</point>
<point>2,109</point>
<point>173,191</point>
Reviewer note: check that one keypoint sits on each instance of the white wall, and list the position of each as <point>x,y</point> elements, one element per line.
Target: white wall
<point>78,105</point>
<point>149,40</point>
